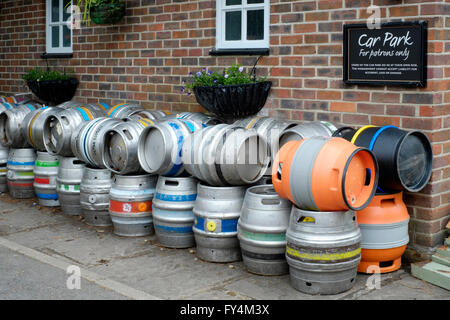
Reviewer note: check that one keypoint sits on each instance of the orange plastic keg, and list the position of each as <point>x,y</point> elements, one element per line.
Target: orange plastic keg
<point>384,231</point>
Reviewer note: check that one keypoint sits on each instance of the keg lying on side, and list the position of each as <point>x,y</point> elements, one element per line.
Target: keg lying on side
<point>130,204</point>
<point>3,168</point>
<point>120,154</point>
<point>345,132</point>
<point>69,177</point>
<point>405,158</point>
<point>33,126</point>
<point>150,114</point>
<point>124,110</point>
<point>160,145</point>
<point>307,130</point>
<point>94,196</point>
<point>323,251</point>
<point>45,174</point>
<point>325,174</point>
<point>20,174</point>
<point>4,106</point>
<point>172,211</point>
<point>226,155</point>
<point>11,122</point>
<point>58,128</point>
<point>216,211</point>
<point>88,140</point>
<point>384,233</point>
<point>199,117</point>
<point>262,231</point>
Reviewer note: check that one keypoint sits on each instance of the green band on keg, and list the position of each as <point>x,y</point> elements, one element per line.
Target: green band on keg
<point>69,187</point>
<point>25,174</point>
<point>47,164</point>
<point>263,236</point>
<point>321,254</point>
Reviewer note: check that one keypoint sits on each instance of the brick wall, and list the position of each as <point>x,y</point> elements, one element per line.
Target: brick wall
<point>145,58</point>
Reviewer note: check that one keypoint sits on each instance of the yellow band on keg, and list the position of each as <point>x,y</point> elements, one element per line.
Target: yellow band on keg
<point>111,111</point>
<point>31,127</point>
<point>252,122</point>
<point>88,112</point>
<point>355,136</point>
<point>145,122</point>
<point>323,256</point>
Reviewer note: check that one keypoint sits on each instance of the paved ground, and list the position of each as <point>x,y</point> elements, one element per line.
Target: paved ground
<point>38,244</point>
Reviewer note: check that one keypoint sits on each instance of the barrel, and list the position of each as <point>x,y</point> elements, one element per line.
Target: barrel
<point>325,174</point>
<point>101,105</point>
<point>216,211</point>
<point>160,146</point>
<point>94,196</point>
<point>124,110</point>
<point>45,174</point>
<point>4,106</point>
<point>150,114</point>
<point>70,104</point>
<point>68,180</point>
<point>33,126</point>
<point>262,231</point>
<point>120,154</point>
<point>8,99</point>
<point>20,174</point>
<point>3,168</point>
<point>266,179</point>
<point>345,132</point>
<point>11,122</point>
<point>58,128</point>
<point>172,211</point>
<point>323,251</point>
<point>88,140</point>
<point>405,158</point>
<point>199,117</point>
<point>384,233</point>
<point>130,204</point>
<point>307,130</point>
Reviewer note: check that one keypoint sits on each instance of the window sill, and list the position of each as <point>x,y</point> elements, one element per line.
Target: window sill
<point>243,52</point>
<point>46,55</point>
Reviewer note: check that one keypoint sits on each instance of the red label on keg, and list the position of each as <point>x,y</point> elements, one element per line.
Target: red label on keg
<point>42,180</point>
<point>15,184</point>
<point>130,207</point>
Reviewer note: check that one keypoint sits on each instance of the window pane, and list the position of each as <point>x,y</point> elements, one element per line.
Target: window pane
<point>255,25</point>
<point>254,1</point>
<point>233,2</point>
<point>66,37</point>
<point>65,9</point>
<point>233,25</point>
<point>55,37</point>
<point>55,10</point>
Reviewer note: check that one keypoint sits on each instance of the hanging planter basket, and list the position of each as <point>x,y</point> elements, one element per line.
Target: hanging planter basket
<point>54,92</point>
<point>233,101</point>
<point>107,13</point>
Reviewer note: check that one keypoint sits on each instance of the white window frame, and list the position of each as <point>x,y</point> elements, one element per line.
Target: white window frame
<point>48,27</point>
<point>221,9</point>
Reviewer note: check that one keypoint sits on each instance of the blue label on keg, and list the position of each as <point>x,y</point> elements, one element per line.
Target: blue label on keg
<point>180,140</point>
<point>15,163</point>
<point>47,196</point>
<point>215,225</point>
<point>174,229</point>
<point>176,197</point>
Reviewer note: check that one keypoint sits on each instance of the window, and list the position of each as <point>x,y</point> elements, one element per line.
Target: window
<point>58,34</point>
<point>242,24</point>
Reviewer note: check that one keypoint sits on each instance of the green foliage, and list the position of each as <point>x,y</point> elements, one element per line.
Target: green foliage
<point>232,75</point>
<point>87,4</point>
<point>41,75</point>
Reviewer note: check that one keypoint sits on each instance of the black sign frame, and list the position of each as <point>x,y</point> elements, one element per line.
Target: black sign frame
<point>420,82</point>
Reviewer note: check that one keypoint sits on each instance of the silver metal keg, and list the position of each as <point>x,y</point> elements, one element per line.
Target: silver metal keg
<point>58,128</point>
<point>120,154</point>
<point>216,211</point>
<point>262,231</point>
<point>33,126</point>
<point>88,140</point>
<point>70,104</point>
<point>68,180</point>
<point>150,114</point>
<point>45,174</point>
<point>130,204</point>
<point>160,146</point>
<point>20,174</point>
<point>94,196</point>
<point>124,110</point>
<point>323,251</point>
<point>4,106</point>
<point>307,130</point>
<point>3,168</point>
<point>199,117</point>
<point>172,211</point>
<point>11,122</point>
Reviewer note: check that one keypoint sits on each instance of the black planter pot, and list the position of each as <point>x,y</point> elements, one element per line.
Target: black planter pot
<point>54,91</point>
<point>107,13</point>
<point>233,101</point>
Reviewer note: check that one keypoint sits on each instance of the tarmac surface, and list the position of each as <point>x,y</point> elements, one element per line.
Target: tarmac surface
<point>38,245</point>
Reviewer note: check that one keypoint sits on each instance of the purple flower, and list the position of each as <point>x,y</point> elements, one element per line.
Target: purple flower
<point>215,80</point>
<point>190,73</point>
<point>241,69</point>
<point>209,72</point>
<point>203,69</point>
<point>188,93</point>
<point>199,74</point>
<point>226,76</point>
